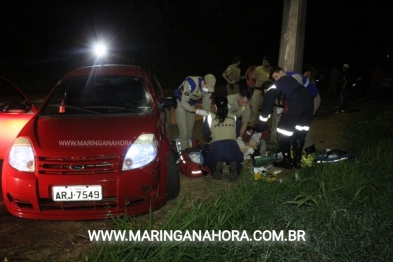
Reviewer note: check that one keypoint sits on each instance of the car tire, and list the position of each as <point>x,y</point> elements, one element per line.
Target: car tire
<point>173,178</point>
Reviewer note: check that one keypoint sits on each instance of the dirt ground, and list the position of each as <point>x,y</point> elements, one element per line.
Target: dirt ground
<point>31,240</point>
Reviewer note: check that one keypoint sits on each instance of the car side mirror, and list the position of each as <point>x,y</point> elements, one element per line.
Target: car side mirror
<point>169,102</point>
<point>16,107</point>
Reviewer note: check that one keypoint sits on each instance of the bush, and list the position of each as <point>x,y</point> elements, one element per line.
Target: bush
<point>344,209</point>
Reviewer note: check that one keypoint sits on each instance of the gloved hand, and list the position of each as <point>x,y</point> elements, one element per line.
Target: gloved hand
<point>250,151</point>
<point>240,143</point>
<point>279,110</point>
<point>201,112</point>
<point>239,138</point>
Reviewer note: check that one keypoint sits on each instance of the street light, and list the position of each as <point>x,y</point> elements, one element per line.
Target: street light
<point>100,52</point>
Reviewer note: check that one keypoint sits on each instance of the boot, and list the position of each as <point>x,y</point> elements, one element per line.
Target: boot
<point>311,149</point>
<point>286,154</point>
<point>297,147</point>
<point>218,171</point>
<point>234,174</point>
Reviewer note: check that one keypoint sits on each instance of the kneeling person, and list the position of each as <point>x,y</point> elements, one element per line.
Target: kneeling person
<point>220,128</point>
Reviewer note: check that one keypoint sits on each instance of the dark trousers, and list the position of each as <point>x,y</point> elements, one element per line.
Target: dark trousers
<point>375,90</point>
<point>238,125</point>
<point>224,151</point>
<point>251,90</point>
<point>344,99</point>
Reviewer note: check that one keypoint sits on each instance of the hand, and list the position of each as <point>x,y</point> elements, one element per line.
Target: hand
<point>239,138</point>
<point>279,110</point>
<point>240,143</point>
<point>250,151</point>
<point>201,112</point>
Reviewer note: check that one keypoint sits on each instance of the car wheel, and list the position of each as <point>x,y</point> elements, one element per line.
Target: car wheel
<point>173,178</point>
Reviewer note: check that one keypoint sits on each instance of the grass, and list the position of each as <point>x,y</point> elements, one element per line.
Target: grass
<point>344,209</point>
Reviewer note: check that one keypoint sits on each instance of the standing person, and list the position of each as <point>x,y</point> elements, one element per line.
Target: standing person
<point>334,76</point>
<point>294,124</point>
<point>239,105</point>
<point>311,73</point>
<point>376,79</point>
<point>346,83</point>
<point>261,74</point>
<point>220,129</point>
<point>233,75</point>
<point>188,93</point>
<point>250,81</point>
<point>277,73</point>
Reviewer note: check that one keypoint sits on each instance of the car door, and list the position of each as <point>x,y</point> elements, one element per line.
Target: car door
<point>165,114</point>
<point>15,111</point>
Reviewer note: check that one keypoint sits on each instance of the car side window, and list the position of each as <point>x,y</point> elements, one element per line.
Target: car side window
<point>159,94</point>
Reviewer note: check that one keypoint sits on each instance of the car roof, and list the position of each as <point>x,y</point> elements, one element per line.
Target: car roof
<point>108,69</point>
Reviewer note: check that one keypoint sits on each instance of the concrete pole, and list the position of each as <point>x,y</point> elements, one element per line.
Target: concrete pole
<point>291,45</point>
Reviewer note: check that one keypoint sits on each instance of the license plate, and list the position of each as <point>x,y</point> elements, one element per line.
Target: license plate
<point>76,193</point>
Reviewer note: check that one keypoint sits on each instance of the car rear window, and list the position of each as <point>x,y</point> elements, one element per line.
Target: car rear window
<point>99,95</point>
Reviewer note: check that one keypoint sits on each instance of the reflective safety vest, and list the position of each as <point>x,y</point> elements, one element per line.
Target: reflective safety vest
<point>222,131</point>
<point>298,107</point>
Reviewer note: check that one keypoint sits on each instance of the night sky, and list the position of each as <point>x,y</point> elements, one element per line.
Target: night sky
<point>42,40</point>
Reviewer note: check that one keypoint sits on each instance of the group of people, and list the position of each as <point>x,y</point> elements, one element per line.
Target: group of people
<point>343,82</point>
<point>221,128</point>
<point>292,97</point>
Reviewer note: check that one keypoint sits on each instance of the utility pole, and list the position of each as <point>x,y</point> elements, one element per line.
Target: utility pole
<point>290,56</point>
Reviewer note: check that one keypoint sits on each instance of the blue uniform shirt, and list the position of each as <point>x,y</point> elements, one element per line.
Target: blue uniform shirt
<point>306,82</point>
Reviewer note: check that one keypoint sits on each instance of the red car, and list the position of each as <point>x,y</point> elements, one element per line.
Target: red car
<point>99,146</point>
<point>15,111</point>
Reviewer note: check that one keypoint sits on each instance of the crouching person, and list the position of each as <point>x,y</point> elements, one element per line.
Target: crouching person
<point>298,107</point>
<point>220,129</point>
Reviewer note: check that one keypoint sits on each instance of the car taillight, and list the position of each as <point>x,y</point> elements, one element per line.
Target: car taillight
<point>142,152</point>
<point>21,155</point>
